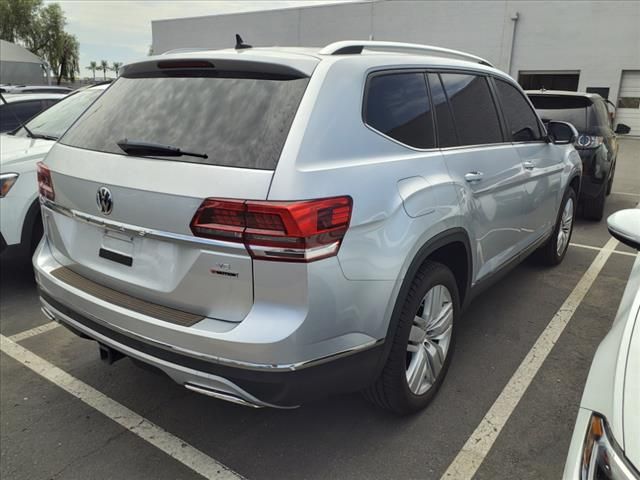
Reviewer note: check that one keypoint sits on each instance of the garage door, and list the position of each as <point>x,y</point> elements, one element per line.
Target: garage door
<point>628,111</point>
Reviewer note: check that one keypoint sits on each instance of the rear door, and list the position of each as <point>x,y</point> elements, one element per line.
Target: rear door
<point>123,220</point>
<point>486,167</point>
<point>541,161</point>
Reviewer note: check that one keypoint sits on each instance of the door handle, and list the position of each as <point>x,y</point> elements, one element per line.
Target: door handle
<point>473,176</point>
<point>529,165</point>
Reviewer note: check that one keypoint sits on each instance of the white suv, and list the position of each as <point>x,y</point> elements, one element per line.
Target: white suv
<point>267,226</point>
<point>20,150</point>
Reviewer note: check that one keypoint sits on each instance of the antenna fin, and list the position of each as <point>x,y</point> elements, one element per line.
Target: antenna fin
<point>240,43</point>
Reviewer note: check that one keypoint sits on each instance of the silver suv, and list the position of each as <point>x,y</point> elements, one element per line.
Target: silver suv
<point>270,225</point>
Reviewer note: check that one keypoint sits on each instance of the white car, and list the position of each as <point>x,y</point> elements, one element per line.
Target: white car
<point>606,438</point>
<point>38,89</point>
<point>16,109</point>
<point>20,151</point>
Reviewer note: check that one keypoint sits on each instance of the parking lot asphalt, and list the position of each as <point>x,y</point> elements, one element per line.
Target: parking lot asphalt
<point>48,433</point>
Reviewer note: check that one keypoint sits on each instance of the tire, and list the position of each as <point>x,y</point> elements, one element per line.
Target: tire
<point>551,253</point>
<point>610,182</point>
<point>594,207</point>
<point>391,390</point>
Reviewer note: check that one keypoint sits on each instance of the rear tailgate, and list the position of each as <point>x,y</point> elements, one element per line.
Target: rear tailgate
<point>122,221</point>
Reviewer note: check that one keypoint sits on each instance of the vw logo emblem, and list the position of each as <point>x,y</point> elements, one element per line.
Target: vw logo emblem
<point>104,200</point>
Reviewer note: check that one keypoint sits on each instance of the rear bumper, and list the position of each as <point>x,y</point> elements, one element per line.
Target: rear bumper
<point>348,372</point>
<point>191,355</point>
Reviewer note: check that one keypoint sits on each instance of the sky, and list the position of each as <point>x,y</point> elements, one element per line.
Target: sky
<point>120,30</point>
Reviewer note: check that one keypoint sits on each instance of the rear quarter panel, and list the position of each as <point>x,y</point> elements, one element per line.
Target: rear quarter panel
<point>330,152</point>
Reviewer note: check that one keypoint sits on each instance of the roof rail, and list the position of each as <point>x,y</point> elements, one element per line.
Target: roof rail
<point>350,47</point>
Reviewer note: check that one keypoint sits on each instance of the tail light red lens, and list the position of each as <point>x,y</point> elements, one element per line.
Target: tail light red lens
<point>45,183</point>
<point>301,231</point>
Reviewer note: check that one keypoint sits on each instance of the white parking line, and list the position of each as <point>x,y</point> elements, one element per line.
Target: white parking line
<point>627,193</point>
<point>136,424</point>
<point>18,337</point>
<point>474,451</point>
<point>591,247</point>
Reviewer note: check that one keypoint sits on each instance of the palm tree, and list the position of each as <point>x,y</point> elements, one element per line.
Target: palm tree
<point>68,57</point>
<point>93,66</point>
<point>104,66</point>
<point>115,66</point>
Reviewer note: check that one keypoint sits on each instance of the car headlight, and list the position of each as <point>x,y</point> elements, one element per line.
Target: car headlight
<point>6,182</point>
<point>602,457</point>
<point>588,141</point>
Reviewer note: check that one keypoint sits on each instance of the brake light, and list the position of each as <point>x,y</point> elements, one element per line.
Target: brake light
<point>45,183</point>
<point>301,231</point>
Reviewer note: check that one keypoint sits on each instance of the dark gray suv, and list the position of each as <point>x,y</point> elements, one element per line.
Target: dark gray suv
<point>596,143</point>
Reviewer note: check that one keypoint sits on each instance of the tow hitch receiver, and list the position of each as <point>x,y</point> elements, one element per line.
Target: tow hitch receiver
<point>109,355</point>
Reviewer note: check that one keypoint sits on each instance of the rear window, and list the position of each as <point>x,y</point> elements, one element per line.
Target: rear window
<point>234,121</point>
<point>572,109</point>
<point>55,120</point>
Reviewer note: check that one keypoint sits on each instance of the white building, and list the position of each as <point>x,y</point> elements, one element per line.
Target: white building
<point>584,46</point>
<point>19,66</point>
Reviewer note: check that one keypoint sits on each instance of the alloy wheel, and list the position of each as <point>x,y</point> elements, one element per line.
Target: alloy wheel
<point>429,339</point>
<point>564,232</point>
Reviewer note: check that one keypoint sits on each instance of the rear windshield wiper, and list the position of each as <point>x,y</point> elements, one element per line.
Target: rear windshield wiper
<point>143,149</point>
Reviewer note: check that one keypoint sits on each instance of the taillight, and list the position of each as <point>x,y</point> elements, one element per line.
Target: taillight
<point>301,231</point>
<point>45,183</point>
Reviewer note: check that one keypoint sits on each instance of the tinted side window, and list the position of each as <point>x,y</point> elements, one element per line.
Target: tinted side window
<point>473,109</point>
<point>14,114</point>
<point>398,106</point>
<point>48,102</point>
<point>447,136</point>
<point>522,122</point>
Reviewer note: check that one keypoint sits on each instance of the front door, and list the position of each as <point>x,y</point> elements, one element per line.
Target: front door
<point>541,162</point>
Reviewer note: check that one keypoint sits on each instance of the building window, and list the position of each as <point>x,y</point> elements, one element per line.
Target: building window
<point>602,91</point>
<point>629,102</point>
<point>549,81</point>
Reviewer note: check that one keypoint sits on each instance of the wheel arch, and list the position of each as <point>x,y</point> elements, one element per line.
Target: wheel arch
<point>444,248</point>
<point>575,183</point>
<point>30,219</point>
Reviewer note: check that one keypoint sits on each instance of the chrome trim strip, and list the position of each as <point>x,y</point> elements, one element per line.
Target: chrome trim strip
<point>308,254</point>
<point>47,313</point>
<point>246,400</point>
<point>220,395</point>
<point>219,360</point>
<point>139,231</point>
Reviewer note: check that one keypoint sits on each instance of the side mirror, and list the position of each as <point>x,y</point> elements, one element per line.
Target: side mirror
<point>622,128</point>
<point>624,225</point>
<point>561,133</point>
